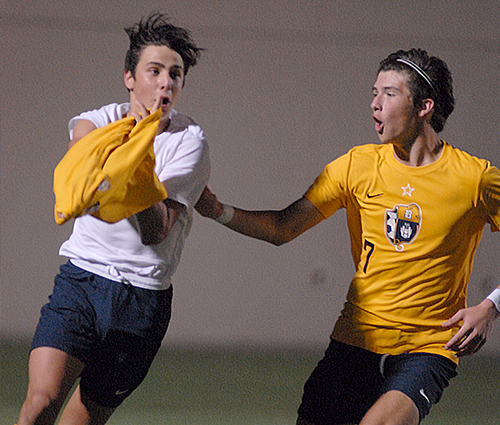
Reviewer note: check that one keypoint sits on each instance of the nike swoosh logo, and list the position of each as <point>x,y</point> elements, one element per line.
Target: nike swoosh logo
<point>422,393</point>
<point>369,195</point>
<point>120,392</point>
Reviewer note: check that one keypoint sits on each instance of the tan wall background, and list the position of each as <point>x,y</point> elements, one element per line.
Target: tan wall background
<point>283,88</point>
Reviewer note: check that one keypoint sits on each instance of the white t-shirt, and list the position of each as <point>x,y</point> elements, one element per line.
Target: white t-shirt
<point>114,250</point>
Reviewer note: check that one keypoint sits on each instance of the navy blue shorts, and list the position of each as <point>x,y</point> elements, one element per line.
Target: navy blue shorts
<point>113,328</point>
<point>349,380</point>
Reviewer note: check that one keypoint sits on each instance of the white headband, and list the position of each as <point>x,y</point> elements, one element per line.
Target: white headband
<point>420,71</point>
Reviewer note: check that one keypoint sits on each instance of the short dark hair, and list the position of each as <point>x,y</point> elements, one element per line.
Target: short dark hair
<point>158,30</point>
<point>441,89</point>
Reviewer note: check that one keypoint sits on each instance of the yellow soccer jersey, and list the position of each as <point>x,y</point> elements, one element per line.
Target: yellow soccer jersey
<point>109,173</point>
<point>414,232</point>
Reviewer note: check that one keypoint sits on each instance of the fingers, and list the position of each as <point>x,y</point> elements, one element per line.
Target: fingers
<point>466,343</point>
<point>454,343</point>
<point>477,322</point>
<point>138,110</point>
<point>156,104</point>
<point>480,345</point>
<point>455,319</point>
<point>461,338</point>
<point>471,347</point>
<point>457,338</point>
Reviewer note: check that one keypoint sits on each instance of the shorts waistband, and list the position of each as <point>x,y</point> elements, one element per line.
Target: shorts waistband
<point>154,279</point>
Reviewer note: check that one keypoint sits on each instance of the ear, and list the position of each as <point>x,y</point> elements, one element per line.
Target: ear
<point>427,108</point>
<point>129,80</point>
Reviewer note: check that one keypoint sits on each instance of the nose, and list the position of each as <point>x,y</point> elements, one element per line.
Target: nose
<point>166,81</point>
<point>375,105</point>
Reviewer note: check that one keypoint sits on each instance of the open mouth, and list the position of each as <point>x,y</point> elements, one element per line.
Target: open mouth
<point>165,101</point>
<point>378,125</point>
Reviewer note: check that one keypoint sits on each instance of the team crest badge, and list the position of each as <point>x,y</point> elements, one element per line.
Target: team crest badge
<point>402,224</point>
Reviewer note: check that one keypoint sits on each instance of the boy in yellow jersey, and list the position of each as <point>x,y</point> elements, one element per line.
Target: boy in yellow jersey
<point>416,209</point>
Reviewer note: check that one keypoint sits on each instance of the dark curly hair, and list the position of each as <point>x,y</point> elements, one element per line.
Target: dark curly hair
<point>441,89</point>
<point>157,30</point>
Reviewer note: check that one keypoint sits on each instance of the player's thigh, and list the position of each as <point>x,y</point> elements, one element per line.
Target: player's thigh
<point>51,375</point>
<point>342,387</point>
<point>392,408</point>
<point>52,372</point>
<point>422,377</point>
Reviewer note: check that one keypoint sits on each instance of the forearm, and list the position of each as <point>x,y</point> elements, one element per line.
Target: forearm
<point>156,221</point>
<point>153,224</point>
<point>263,225</point>
<point>276,227</point>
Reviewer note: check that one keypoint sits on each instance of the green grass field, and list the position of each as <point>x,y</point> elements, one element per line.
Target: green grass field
<point>247,387</point>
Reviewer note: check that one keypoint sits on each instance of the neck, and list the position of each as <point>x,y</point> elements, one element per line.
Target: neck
<point>423,150</point>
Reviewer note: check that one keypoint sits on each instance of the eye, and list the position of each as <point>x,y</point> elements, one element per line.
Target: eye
<point>175,73</point>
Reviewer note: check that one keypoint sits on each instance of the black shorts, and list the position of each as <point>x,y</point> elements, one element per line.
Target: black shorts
<point>349,380</point>
<point>113,328</point>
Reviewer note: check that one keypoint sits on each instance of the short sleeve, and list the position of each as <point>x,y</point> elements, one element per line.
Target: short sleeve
<point>490,195</point>
<point>328,193</point>
<point>100,117</point>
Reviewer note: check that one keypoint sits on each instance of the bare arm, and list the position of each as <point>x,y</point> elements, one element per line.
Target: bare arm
<point>276,227</point>
<point>82,128</point>
<point>156,221</point>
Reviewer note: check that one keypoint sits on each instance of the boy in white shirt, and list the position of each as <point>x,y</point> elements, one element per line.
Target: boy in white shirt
<point>111,303</point>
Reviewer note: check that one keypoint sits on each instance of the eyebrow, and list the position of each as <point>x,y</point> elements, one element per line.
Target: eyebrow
<point>161,65</point>
<point>155,63</point>
<point>385,88</point>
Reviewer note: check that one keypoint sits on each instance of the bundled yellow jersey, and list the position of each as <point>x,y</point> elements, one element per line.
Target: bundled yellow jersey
<point>110,173</point>
<point>414,232</point>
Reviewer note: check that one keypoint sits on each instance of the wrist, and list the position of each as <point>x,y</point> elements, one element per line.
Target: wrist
<point>227,214</point>
<point>494,297</point>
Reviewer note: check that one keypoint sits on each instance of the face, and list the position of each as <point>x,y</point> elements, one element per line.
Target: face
<point>159,75</point>
<point>396,119</point>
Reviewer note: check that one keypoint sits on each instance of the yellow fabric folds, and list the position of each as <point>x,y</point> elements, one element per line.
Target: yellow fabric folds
<point>109,173</point>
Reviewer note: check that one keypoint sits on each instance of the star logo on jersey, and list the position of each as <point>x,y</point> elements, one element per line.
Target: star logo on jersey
<point>402,224</point>
<point>407,190</point>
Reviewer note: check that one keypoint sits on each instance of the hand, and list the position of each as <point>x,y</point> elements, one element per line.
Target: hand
<point>208,205</point>
<point>138,110</point>
<point>476,326</point>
